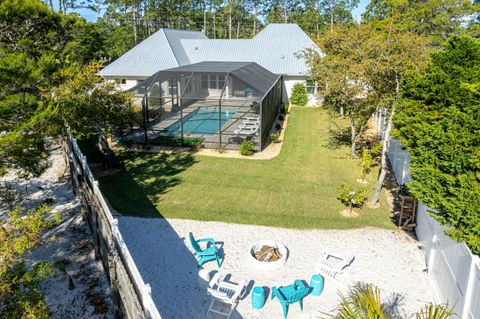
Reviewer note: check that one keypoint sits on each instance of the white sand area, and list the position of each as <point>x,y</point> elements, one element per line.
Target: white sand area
<point>389,259</point>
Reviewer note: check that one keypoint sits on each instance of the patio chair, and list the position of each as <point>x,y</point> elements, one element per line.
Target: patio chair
<point>332,263</point>
<point>247,130</point>
<point>225,292</point>
<point>209,253</point>
<point>290,294</point>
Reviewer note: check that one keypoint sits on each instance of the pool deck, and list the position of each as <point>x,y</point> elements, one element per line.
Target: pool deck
<point>230,140</point>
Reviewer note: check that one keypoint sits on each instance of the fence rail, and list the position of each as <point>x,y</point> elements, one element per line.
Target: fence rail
<point>130,294</point>
<point>452,266</point>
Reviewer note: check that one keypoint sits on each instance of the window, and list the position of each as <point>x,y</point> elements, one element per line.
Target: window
<point>204,81</point>
<point>221,81</point>
<point>172,87</point>
<point>123,81</point>
<point>213,82</point>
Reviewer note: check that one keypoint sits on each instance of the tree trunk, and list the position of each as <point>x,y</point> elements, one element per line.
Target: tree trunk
<point>50,4</point>
<point>353,140</point>
<point>135,37</point>
<point>386,139</point>
<point>342,112</point>
<point>230,21</point>
<point>238,28</point>
<point>331,19</point>
<point>254,18</point>
<point>205,21</point>
<point>285,11</point>
<point>214,27</point>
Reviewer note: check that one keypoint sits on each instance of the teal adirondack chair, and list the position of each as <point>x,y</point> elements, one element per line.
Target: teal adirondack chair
<point>290,294</point>
<point>204,255</point>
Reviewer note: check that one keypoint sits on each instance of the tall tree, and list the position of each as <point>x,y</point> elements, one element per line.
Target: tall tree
<point>342,74</point>
<point>396,52</point>
<point>438,121</point>
<point>338,10</point>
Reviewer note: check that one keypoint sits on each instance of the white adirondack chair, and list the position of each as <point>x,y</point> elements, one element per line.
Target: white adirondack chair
<point>332,263</point>
<point>225,292</point>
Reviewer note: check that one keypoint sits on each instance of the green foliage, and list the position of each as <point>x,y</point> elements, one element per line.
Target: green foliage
<point>351,197</point>
<point>9,195</point>
<point>438,122</point>
<point>299,95</point>
<point>275,137</point>
<point>19,294</point>
<point>247,148</point>
<point>37,45</point>
<point>364,302</point>
<point>433,311</point>
<point>367,162</point>
<point>176,141</point>
<point>361,302</point>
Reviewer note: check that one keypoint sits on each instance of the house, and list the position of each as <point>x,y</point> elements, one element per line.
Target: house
<point>278,48</point>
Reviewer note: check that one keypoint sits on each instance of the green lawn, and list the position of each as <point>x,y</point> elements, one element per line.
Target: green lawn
<point>296,189</point>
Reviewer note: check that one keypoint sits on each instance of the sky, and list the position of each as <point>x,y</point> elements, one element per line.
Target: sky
<point>91,16</point>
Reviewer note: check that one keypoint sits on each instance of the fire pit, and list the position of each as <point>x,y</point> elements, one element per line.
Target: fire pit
<point>268,255</point>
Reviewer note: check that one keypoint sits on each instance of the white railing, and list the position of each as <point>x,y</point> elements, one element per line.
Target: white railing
<point>143,288</point>
<point>452,266</point>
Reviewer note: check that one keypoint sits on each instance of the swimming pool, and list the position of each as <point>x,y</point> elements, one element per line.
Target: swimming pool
<point>201,122</point>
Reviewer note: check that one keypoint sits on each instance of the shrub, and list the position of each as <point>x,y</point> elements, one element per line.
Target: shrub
<point>299,95</point>
<point>366,163</point>
<point>281,117</point>
<point>247,148</point>
<point>283,108</point>
<point>275,136</point>
<point>278,126</point>
<point>174,141</point>
<point>351,197</point>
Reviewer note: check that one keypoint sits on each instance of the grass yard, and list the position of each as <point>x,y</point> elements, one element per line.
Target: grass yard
<point>297,189</point>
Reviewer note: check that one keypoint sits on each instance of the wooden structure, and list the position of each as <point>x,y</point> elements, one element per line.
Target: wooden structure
<point>131,296</point>
<point>408,210</point>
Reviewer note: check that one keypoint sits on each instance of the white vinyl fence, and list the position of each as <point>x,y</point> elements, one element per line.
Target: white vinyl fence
<point>452,266</point>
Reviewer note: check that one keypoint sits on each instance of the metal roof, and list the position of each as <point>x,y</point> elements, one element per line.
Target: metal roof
<point>162,50</point>
<point>278,48</point>
<point>249,72</point>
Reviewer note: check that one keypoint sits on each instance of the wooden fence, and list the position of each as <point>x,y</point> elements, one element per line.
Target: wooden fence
<point>131,296</point>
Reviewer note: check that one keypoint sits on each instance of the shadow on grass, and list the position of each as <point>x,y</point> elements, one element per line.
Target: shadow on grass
<point>338,137</point>
<point>144,179</point>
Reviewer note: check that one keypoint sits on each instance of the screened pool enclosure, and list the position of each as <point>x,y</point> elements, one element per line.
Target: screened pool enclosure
<point>221,103</point>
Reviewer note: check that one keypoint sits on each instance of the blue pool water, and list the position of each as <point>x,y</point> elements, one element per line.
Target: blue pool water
<point>201,122</point>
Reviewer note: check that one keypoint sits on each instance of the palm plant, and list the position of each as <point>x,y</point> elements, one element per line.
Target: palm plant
<point>432,311</point>
<point>362,302</point>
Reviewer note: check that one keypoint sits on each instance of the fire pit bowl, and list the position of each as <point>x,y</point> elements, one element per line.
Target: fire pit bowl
<point>273,250</point>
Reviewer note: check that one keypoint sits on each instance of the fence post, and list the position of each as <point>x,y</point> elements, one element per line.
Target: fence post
<point>433,252</point>
<point>469,291</point>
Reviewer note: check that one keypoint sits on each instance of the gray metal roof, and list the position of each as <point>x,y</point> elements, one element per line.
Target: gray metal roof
<point>249,72</point>
<point>162,50</point>
<point>277,48</point>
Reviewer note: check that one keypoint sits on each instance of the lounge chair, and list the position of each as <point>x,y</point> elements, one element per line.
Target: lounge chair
<point>209,253</point>
<point>332,263</point>
<point>247,129</point>
<point>226,292</point>
<point>290,294</point>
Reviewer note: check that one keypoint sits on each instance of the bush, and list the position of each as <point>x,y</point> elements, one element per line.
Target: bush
<point>275,136</point>
<point>299,95</point>
<point>281,117</point>
<point>283,108</point>
<point>174,141</point>
<point>278,126</point>
<point>247,148</point>
<point>351,197</point>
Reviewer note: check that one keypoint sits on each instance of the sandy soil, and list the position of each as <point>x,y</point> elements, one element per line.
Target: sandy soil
<point>81,291</point>
<point>388,259</point>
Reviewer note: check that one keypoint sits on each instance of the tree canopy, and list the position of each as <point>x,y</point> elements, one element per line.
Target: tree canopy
<point>438,121</point>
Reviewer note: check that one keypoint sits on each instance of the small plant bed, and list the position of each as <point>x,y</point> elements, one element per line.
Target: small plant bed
<point>175,141</point>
